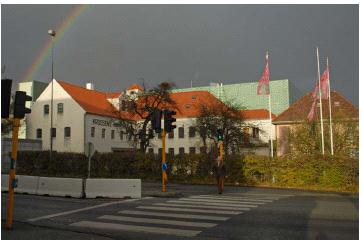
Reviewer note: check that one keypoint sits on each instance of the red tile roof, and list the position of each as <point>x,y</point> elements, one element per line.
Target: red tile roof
<point>91,101</point>
<point>298,111</point>
<point>135,86</point>
<point>113,95</point>
<point>188,102</point>
<point>256,114</point>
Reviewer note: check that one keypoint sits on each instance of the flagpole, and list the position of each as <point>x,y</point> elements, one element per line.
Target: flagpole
<point>271,128</point>
<point>330,110</point>
<point>320,101</point>
<point>270,118</point>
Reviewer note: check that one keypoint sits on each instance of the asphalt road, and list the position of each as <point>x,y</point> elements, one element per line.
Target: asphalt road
<point>188,212</point>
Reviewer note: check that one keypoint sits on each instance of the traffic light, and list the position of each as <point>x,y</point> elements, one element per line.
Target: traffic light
<point>19,105</point>
<point>156,117</point>
<point>168,120</point>
<point>220,134</point>
<point>5,97</point>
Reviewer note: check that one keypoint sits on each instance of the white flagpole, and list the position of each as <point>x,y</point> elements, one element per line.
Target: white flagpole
<point>330,110</point>
<point>270,117</point>
<point>320,101</point>
<point>271,127</point>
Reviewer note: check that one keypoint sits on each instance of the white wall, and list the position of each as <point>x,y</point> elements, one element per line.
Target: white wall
<point>187,142</point>
<point>104,144</point>
<point>177,142</point>
<point>72,116</point>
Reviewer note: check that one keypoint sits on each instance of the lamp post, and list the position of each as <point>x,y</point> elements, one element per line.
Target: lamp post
<point>52,34</point>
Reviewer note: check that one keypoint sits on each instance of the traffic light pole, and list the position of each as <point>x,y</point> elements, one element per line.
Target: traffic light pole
<point>12,183</point>
<point>221,149</point>
<point>164,174</point>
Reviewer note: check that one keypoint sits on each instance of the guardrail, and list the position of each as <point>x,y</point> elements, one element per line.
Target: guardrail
<point>75,187</point>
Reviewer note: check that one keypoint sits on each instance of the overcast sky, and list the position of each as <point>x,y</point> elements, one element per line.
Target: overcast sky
<point>117,45</point>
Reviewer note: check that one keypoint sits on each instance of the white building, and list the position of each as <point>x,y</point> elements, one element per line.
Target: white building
<point>80,115</point>
<point>83,115</point>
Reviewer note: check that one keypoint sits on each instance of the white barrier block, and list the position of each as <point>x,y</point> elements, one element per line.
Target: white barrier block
<point>4,182</point>
<point>27,184</point>
<point>114,188</point>
<point>60,187</point>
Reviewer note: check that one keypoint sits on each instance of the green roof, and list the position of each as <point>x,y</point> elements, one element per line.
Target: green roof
<point>283,93</point>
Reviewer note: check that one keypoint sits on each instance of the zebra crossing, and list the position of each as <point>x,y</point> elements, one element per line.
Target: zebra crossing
<point>186,217</point>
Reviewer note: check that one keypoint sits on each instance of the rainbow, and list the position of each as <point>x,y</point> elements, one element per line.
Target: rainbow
<point>46,50</point>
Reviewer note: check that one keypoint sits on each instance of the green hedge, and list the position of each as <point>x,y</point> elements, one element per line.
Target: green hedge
<point>337,173</point>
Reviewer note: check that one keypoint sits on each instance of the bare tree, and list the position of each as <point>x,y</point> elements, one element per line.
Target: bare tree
<point>139,109</point>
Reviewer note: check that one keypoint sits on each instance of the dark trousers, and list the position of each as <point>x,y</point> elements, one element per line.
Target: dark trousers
<point>220,183</point>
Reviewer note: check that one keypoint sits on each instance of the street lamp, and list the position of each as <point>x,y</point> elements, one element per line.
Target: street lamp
<point>52,34</point>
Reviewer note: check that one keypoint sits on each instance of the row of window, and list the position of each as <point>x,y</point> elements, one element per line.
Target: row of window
<point>39,132</point>
<point>60,108</point>
<point>103,134</point>
<point>181,133</point>
<point>181,150</point>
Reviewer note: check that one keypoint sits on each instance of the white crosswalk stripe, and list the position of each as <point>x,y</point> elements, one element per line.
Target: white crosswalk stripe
<point>213,211</point>
<point>233,198</point>
<point>157,221</point>
<point>135,228</point>
<point>246,208</point>
<point>196,212</point>
<point>174,215</point>
<point>218,204</point>
<point>219,200</point>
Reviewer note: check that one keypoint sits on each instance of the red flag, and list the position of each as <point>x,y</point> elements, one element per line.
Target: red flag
<point>324,86</point>
<point>312,110</point>
<point>263,85</point>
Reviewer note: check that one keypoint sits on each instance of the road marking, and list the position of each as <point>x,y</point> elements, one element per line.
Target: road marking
<point>158,221</point>
<point>239,197</point>
<point>135,228</point>
<point>232,198</point>
<point>173,215</point>
<point>220,207</point>
<point>190,210</point>
<point>207,200</point>
<point>82,209</point>
<point>218,204</point>
<point>262,194</point>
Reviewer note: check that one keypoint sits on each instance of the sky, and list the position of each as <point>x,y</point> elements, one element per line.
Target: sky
<point>114,46</point>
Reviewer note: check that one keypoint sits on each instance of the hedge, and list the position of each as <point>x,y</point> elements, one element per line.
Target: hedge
<point>334,173</point>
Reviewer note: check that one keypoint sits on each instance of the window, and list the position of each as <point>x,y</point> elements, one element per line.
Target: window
<point>112,134</point>
<point>171,135</point>
<point>255,133</point>
<point>150,150</point>
<point>54,132</point>
<point>171,151</point>
<point>159,151</point>
<point>192,150</point>
<point>192,132</point>
<point>60,107</point>
<point>46,109</point>
<point>67,132</point>
<point>121,135</point>
<point>38,133</point>
<point>124,105</point>
<point>181,133</point>
<point>181,150</point>
<point>93,130</point>
<point>103,133</point>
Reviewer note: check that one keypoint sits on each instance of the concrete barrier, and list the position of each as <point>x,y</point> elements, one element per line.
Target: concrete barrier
<point>113,188</point>
<point>27,184</point>
<point>4,182</point>
<point>71,187</point>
